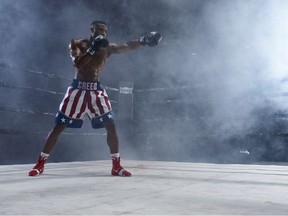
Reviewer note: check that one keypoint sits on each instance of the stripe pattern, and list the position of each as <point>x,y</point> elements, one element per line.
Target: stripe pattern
<point>78,102</point>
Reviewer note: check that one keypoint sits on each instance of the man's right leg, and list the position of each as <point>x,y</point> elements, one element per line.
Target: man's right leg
<point>50,143</point>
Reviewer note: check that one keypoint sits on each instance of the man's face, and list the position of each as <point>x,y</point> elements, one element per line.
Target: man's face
<point>99,29</point>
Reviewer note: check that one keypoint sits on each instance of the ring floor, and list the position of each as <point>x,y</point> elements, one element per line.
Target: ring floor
<point>156,188</point>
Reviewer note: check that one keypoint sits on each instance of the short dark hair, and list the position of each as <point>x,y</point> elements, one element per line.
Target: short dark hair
<point>96,22</point>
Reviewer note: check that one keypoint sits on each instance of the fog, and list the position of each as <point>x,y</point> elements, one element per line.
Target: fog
<point>210,90</point>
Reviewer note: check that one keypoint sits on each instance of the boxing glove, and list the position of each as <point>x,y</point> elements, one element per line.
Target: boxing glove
<point>151,39</point>
<point>97,43</point>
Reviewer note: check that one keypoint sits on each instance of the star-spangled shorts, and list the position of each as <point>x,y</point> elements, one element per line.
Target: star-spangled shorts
<point>81,99</point>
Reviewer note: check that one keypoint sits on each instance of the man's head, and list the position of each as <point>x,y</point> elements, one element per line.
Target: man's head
<point>98,28</point>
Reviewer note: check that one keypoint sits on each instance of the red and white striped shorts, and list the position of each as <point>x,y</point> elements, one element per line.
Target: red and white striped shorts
<point>84,98</point>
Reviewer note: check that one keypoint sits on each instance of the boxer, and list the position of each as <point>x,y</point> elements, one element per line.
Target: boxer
<point>86,96</point>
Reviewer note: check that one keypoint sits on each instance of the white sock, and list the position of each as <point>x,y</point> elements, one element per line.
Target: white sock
<point>44,155</point>
<point>115,155</point>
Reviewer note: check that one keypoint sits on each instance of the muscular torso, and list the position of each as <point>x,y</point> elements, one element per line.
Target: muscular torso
<point>90,71</point>
<point>88,68</point>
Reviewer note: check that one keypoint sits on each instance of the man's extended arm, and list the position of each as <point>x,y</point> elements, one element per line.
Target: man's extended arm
<point>151,39</point>
<point>121,48</point>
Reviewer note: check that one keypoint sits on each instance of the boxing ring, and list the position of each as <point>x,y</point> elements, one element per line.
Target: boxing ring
<point>87,188</point>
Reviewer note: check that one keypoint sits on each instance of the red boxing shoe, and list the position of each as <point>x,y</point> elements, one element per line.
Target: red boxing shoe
<point>39,167</point>
<point>117,169</point>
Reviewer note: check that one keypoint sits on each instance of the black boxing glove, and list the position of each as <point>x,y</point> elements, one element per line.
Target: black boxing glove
<point>97,43</point>
<point>151,39</point>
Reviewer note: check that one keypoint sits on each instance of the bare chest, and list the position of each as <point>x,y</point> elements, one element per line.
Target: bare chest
<point>99,58</point>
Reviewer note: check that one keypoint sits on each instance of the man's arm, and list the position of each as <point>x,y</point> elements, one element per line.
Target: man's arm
<point>121,48</point>
<point>151,39</point>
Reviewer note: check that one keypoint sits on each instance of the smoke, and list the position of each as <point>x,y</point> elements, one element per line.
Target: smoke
<point>199,96</point>
<point>233,54</point>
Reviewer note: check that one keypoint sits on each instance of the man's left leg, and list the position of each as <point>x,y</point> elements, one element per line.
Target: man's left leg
<point>113,143</point>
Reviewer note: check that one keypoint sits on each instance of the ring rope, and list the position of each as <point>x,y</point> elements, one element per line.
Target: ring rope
<point>49,75</point>
<point>29,111</point>
<point>21,132</point>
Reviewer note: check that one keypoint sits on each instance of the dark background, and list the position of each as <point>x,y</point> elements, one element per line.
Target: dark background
<point>214,90</point>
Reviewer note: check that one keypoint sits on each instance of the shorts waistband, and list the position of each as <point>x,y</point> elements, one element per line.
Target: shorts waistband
<point>91,86</point>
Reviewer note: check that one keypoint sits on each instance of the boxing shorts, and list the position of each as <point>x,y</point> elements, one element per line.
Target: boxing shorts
<point>81,99</point>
